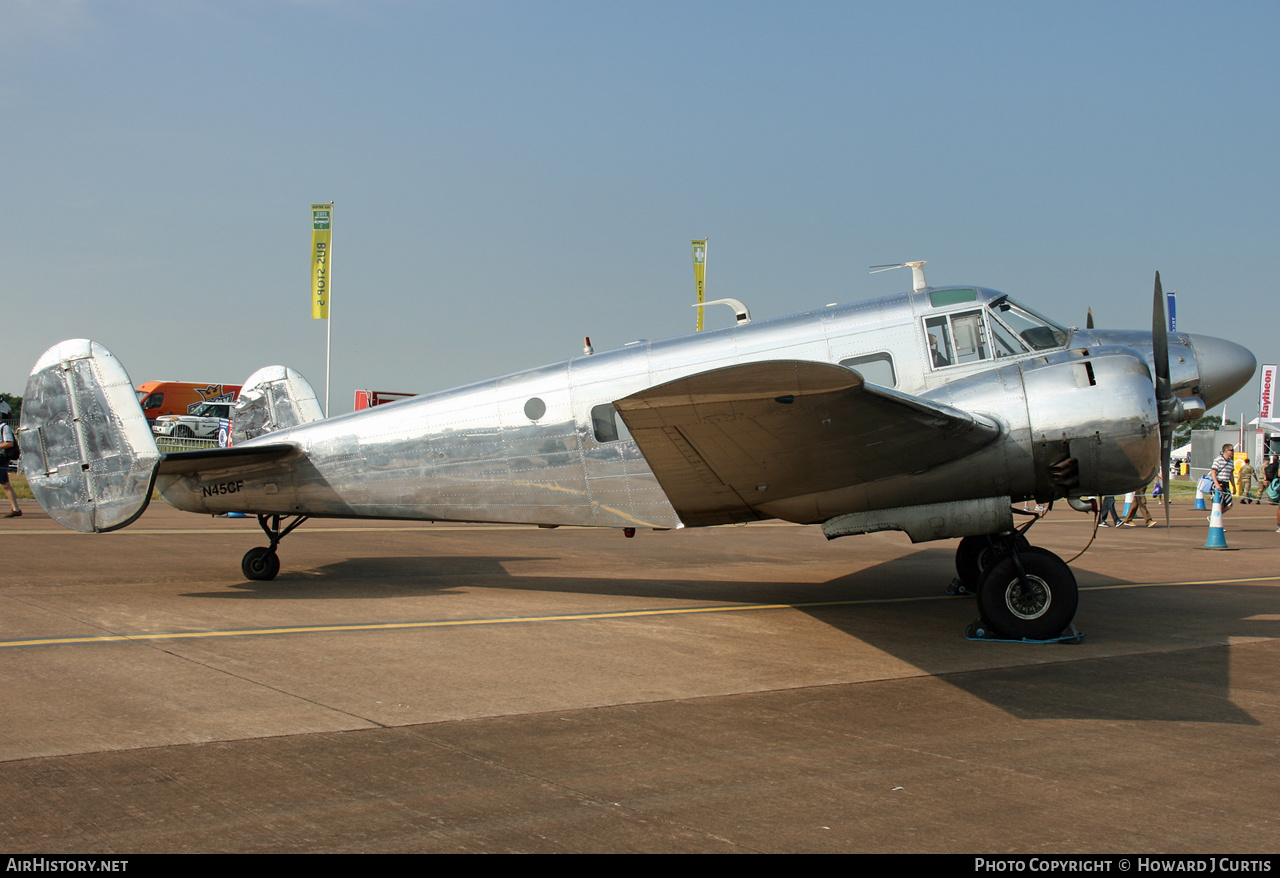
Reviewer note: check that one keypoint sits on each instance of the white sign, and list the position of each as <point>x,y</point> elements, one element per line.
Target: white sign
<point>1267,404</point>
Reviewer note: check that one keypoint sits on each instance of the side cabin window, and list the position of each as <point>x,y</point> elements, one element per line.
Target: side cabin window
<point>874,369</point>
<point>606,425</point>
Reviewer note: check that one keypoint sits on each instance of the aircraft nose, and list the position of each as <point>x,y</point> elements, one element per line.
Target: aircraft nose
<point>1224,367</point>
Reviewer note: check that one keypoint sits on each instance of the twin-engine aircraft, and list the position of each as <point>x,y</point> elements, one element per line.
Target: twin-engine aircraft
<point>930,412</point>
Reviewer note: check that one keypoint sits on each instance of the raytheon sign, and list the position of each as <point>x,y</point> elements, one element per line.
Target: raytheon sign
<point>1267,405</point>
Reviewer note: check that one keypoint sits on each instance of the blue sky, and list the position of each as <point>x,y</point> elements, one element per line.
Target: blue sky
<point>511,176</point>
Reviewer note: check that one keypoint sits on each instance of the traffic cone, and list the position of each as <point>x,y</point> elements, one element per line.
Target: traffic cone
<point>1217,537</point>
<point>1199,498</point>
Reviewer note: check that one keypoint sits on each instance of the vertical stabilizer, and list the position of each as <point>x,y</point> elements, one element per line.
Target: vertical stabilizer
<point>273,398</point>
<point>87,450</point>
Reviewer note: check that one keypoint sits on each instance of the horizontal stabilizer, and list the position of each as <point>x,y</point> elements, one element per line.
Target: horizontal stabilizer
<point>87,450</point>
<point>273,398</point>
<point>185,463</point>
<point>727,443</point>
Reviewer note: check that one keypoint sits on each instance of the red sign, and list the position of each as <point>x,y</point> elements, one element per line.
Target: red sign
<point>367,399</point>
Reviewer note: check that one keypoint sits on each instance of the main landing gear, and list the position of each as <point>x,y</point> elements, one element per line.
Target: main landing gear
<point>263,563</point>
<point>1024,592</point>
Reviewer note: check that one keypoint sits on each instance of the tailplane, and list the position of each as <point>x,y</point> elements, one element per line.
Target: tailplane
<point>87,450</point>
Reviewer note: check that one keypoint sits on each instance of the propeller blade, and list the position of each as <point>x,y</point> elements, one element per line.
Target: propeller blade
<point>1088,320</point>
<point>1165,400</point>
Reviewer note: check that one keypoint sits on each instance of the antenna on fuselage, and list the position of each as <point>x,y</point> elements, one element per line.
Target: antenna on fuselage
<point>917,272</point>
<point>740,312</point>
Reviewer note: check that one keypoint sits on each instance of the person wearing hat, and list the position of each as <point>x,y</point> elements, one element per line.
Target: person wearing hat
<point>7,441</point>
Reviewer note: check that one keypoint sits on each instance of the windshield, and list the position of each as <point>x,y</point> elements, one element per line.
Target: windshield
<point>1038,332</point>
<point>211,410</point>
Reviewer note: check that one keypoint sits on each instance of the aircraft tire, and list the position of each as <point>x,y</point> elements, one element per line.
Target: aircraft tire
<point>976,555</point>
<point>260,564</point>
<point>1041,613</point>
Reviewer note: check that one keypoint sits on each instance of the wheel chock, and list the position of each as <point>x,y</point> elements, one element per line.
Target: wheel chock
<point>980,630</point>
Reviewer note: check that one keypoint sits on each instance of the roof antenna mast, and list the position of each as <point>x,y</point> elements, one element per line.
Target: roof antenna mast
<point>917,272</point>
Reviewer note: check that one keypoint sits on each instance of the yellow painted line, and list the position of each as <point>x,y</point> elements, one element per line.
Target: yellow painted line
<point>398,626</point>
<point>567,617</point>
<point>1181,582</point>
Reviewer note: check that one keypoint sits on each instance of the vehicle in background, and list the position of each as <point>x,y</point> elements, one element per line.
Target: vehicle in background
<point>202,423</point>
<point>367,399</point>
<point>180,397</point>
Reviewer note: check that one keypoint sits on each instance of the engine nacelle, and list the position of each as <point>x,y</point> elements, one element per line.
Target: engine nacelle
<point>1110,390</point>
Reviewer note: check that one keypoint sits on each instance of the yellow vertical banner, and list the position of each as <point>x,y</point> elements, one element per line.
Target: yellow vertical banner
<point>700,274</point>
<point>321,250</point>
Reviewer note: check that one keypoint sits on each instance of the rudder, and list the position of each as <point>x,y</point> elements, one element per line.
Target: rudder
<point>87,450</point>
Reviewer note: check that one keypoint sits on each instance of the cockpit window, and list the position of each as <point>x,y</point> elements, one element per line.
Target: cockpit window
<point>959,337</point>
<point>1006,343</point>
<point>1038,332</point>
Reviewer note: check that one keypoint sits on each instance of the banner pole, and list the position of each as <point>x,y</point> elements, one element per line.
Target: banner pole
<point>322,280</point>
<point>328,323</point>
<point>700,273</point>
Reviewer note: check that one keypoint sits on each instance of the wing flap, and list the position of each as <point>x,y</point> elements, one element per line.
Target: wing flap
<point>726,442</point>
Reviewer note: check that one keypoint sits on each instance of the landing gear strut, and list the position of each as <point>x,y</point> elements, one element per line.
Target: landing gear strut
<point>1024,592</point>
<point>976,555</point>
<point>263,563</point>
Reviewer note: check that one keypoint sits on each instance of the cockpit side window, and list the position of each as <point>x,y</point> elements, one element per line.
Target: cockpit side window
<point>956,338</point>
<point>939,341</point>
<point>970,339</point>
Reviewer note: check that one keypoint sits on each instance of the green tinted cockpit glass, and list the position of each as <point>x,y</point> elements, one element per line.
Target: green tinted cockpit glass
<point>942,298</point>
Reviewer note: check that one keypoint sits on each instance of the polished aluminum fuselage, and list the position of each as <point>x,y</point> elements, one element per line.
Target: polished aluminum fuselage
<point>522,448</point>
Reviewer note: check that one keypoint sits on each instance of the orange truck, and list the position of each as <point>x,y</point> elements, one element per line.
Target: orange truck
<point>180,397</point>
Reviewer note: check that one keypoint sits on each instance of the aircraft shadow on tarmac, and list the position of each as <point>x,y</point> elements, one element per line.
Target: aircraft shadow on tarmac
<point>896,607</point>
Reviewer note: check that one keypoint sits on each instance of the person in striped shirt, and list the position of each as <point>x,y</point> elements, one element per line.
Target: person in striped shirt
<point>1222,470</point>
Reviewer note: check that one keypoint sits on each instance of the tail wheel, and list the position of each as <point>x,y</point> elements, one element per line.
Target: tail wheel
<point>1040,607</point>
<point>260,564</point>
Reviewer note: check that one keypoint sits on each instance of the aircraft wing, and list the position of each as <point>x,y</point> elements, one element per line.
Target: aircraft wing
<point>725,442</point>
